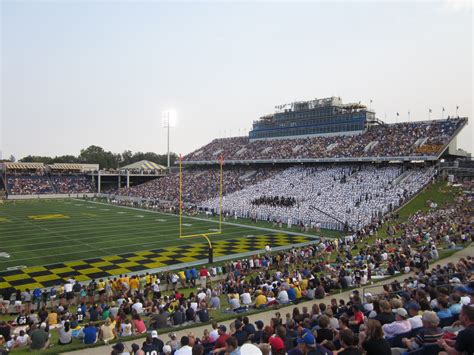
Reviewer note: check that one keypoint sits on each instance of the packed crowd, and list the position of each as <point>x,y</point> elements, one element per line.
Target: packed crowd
<point>29,184</point>
<point>72,183</point>
<point>199,184</point>
<point>43,183</point>
<point>402,139</point>
<point>338,197</point>
<point>104,310</point>
<point>274,201</point>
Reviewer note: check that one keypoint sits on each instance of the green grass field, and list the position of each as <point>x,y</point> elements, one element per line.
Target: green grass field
<point>45,241</point>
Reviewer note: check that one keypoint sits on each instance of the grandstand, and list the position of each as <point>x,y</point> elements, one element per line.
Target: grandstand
<point>23,179</point>
<point>424,140</point>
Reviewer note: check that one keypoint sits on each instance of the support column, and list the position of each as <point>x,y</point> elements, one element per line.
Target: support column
<point>98,182</point>
<point>128,179</point>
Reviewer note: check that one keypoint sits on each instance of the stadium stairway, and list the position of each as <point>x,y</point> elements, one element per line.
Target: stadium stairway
<point>402,177</point>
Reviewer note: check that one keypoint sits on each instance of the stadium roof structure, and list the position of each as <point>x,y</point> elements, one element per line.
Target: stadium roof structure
<point>144,165</point>
<point>22,166</point>
<point>66,166</point>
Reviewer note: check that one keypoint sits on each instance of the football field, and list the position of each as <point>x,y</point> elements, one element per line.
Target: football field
<point>43,242</point>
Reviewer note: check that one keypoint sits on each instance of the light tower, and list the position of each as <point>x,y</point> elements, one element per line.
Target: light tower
<point>168,119</point>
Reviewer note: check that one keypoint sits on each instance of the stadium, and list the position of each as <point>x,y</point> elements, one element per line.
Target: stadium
<point>311,184</point>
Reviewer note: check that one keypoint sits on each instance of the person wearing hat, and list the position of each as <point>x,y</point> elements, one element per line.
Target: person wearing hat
<point>167,350</point>
<point>415,318</point>
<point>400,326</point>
<point>464,292</point>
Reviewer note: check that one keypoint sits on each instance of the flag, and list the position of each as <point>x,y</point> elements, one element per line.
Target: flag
<point>398,114</point>
<point>443,109</point>
<point>430,110</point>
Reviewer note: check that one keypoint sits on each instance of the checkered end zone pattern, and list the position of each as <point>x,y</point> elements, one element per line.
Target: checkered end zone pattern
<point>83,270</point>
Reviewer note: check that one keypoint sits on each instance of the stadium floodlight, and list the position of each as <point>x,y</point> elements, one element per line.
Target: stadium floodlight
<point>168,119</point>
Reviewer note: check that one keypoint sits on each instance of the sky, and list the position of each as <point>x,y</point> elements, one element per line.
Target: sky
<point>79,73</point>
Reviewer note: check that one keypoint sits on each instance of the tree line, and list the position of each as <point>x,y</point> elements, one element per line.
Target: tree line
<point>106,159</point>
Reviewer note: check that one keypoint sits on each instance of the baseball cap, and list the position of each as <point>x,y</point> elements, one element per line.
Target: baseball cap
<point>154,334</point>
<point>307,339</point>
<point>119,347</point>
<point>167,349</point>
<point>400,311</point>
<point>414,306</point>
<point>276,343</point>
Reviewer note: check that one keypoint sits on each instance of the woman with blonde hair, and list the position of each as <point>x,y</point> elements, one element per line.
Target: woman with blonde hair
<point>107,331</point>
<point>372,340</point>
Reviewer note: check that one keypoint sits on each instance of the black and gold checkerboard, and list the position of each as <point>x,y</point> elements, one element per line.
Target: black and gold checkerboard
<point>83,270</point>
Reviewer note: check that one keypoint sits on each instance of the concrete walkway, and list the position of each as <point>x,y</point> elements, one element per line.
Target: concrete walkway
<point>267,315</point>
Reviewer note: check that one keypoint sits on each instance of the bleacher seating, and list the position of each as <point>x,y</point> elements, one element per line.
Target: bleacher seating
<point>394,140</point>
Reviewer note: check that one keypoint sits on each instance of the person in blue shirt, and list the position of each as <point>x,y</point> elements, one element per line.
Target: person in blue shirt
<point>291,294</point>
<point>188,275</point>
<point>194,276</point>
<point>90,334</point>
<point>37,297</point>
<point>444,311</point>
<point>456,305</point>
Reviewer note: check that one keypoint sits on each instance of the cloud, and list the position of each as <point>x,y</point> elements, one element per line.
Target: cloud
<point>455,6</point>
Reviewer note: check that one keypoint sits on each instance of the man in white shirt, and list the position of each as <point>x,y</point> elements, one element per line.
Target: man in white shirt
<point>400,326</point>
<point>245,298</point>
<point>185,349</point>
<point>201,296</point>
<point>214,333</point>
<point>415,318</point>
<point>283,297</point>
<point>138,306</point>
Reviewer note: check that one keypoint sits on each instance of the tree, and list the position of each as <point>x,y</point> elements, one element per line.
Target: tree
<point>37,159</point>
<point>97,155</point>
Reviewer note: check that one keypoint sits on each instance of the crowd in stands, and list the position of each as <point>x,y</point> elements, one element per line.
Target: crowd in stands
<point>42,183</point>
<point>72,183</point>
<point>199,184</point>
<point>406,315</point>
<point>329,197</point>
<point>402,139</point>
<point>274,201</point>
<point>25,184</point>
